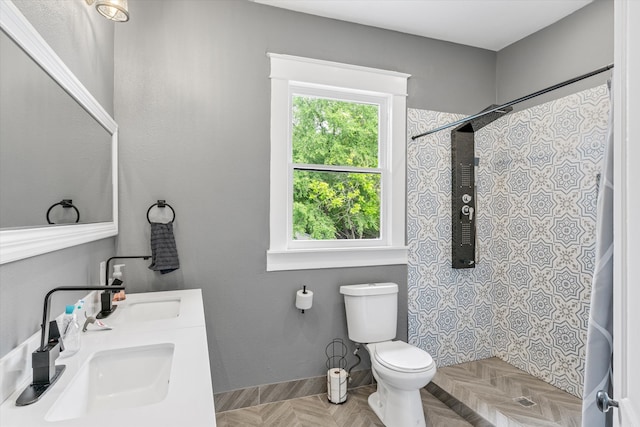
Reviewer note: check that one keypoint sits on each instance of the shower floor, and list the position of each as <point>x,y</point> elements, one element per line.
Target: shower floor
<point>491,392</point>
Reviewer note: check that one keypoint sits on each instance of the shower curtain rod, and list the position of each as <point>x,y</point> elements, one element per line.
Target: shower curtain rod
<point>516,101</point>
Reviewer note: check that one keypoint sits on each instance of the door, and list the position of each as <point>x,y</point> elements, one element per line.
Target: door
<point>626,350</point>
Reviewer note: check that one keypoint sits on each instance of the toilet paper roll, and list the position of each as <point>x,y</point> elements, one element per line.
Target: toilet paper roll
<point>304,301</point>
<point>337,385</point>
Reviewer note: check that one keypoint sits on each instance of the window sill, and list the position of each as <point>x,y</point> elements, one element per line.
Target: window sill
<point>304,259</point>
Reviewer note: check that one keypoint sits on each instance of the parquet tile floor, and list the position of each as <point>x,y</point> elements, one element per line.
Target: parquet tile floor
<point>316,411</point>
<point>482,394</point>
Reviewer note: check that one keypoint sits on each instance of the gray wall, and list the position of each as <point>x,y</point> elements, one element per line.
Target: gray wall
<point>192,101</point>
<point>580,43</point>
<point>84,41</point>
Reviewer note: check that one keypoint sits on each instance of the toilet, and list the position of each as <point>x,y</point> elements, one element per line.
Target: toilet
<point>400,369</point>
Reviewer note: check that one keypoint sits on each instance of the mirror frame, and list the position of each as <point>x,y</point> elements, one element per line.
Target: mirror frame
<point>20,243</point>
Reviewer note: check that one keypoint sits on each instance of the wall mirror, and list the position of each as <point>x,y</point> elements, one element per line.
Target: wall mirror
<point>58,149</point>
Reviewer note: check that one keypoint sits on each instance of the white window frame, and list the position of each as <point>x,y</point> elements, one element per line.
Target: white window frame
<point>297,75</point>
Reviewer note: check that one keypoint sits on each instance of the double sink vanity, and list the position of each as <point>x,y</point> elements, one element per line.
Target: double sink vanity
<point>152,368</point>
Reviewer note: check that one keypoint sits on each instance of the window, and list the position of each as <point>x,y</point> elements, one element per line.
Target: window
<point>337,170</point>
<point>337,165</point>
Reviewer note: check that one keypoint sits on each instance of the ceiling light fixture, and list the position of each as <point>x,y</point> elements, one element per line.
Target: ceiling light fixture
<point>115,10</point>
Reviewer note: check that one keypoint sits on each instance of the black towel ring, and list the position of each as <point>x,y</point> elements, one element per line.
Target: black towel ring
<point>65,203</point>
<point>162,204</point>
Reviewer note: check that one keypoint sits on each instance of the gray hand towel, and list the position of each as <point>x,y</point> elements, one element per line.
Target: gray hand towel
<point>164,253</point>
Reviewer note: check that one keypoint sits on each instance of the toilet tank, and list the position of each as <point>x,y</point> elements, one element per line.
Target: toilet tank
<point>372,311</point>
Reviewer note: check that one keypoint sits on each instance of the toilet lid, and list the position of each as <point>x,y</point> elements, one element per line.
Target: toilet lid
<point>400,356</point>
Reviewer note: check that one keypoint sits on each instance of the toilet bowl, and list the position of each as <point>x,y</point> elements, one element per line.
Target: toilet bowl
<point>401,370</point>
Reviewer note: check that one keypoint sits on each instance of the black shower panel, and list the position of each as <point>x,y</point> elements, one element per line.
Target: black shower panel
<point>463,198</point>
<point>463,188</point>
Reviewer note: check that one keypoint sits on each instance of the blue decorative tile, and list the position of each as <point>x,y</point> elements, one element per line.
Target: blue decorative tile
<point>428,300</point>
<point>519,323</point>
<point>592,145</point>
<point>500,248</point>
<point>567,177</point>
<point>588,203</point>
<point>541,354</point>
<point>541,204</point>
<point>566,123</point>
<point>465,340</point>
<point>501,203</point>
<point>519,275</point>
<point>500,293</point>
<point>483,316</point>
<point>427,248</point>
<point>583,315</point>
<point>520,181</point>
<point>413,228</point>
<point>501,162</point>
<point>540,304</point>
<point>587,258</point>
<point>519,228</point>
<point>520,134</point>
<point>500,339</point>
<point>465,296</point>
<point>566,284</point>
<point>428,204</point>
<point>567,230</point>
<point>541,254</point>
<point>566,339</point>
<point>541,154</point>
<point>447,320</point>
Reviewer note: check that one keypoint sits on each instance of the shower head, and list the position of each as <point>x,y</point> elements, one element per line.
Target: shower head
<point>480,122</point>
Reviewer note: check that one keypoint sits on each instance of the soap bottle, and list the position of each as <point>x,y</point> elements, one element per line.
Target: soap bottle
<point>70,332</point>
<point>117,271</point>
<point>79,313</point>
<point>117,274</point>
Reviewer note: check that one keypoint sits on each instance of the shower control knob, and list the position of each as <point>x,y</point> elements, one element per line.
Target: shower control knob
<point>468,211</point>
<point>466,198</point>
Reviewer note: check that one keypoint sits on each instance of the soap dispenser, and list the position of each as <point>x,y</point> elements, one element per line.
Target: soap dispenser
<point>117,274</point>
<point>117,271</point>
<point>70,332</point>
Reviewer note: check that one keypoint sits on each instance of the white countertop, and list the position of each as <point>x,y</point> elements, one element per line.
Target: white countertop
<point>189,400</point>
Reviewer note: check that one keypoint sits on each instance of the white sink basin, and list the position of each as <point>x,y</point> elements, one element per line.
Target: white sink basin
<point>145,311</point>
<point>154,311</point>
<point>111,380</point>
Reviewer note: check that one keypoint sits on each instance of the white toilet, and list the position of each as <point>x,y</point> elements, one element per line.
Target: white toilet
<point>400,369</point>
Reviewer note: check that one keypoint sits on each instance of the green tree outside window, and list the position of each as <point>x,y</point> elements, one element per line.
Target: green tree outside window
<point>331,205</point>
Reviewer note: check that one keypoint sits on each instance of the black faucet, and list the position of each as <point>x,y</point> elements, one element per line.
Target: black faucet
<point>43,360</point>
<point>106,304</point>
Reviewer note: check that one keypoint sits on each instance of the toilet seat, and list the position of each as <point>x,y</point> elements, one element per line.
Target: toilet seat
<point>402,357</point>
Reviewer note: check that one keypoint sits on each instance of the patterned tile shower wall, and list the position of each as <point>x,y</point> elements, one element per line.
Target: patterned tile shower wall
<point>450,311</point>
<point>527,300</point>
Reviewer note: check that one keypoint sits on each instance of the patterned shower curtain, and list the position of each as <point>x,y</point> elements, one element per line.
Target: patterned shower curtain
<point>598,368</point>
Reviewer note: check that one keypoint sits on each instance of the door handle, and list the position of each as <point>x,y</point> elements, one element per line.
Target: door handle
<point>604,402</point>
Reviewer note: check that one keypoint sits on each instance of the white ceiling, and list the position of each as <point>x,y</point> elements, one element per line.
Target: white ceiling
<point>488,24</point>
